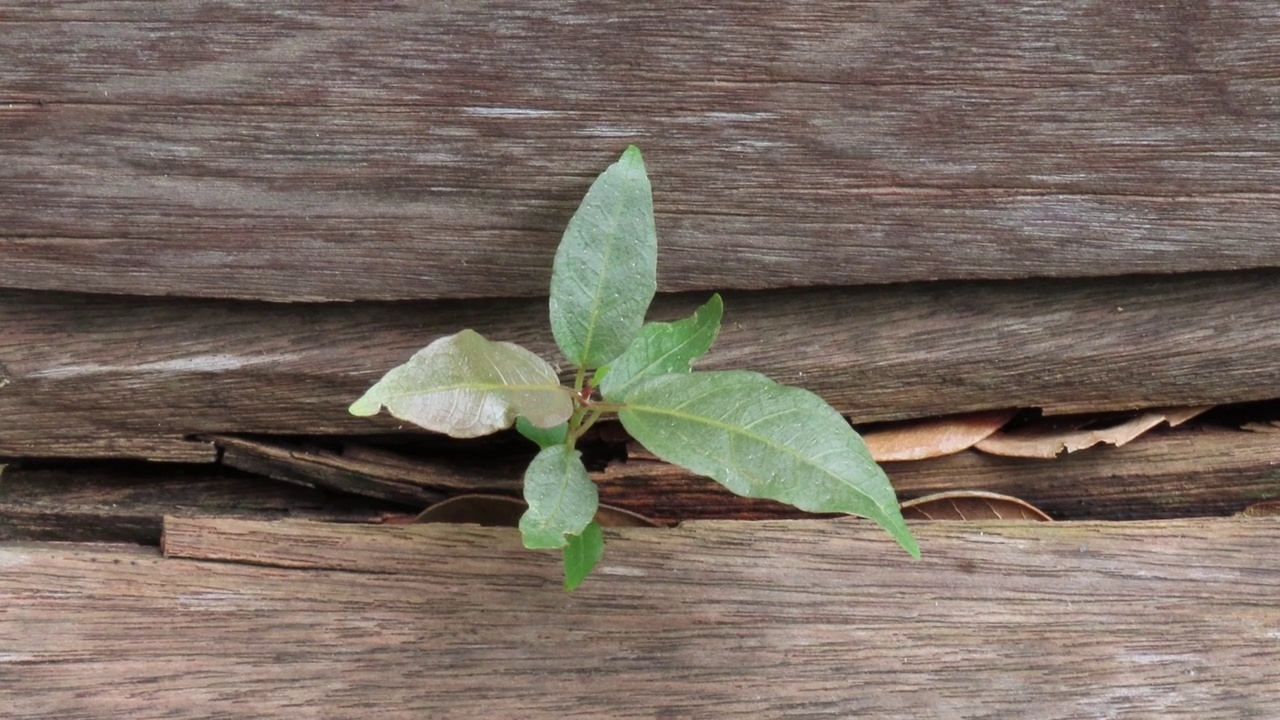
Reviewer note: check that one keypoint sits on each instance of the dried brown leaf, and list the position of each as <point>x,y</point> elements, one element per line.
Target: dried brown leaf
<point>934,437</point>
<point>971,505</point>
<point>1177,416</point>
<point>1267,508</point>
<point>1049,438</point>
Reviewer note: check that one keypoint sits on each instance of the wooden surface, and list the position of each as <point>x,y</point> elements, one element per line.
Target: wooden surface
<point>84,369</point>
<point>126,502</point>
<point>1181,473</point>
<point>1167,619</point>
<point>1188,472</point>
<point>316,151</point>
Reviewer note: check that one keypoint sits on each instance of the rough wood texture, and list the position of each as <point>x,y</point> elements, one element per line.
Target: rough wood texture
<point>1180,473</point>
<point>317,151</point>
<point>117,502</point>
<point>1169,619</point>
<point>1164,475</point>
<point>91,367</point>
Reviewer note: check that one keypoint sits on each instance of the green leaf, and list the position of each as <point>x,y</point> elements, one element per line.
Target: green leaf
<point>581,555</point>
<point>606,268</point>
<point>466,386</point>
<point>562,499</point>
<point>662,349</point>
<point>762,439</point>
<point>542,437</point>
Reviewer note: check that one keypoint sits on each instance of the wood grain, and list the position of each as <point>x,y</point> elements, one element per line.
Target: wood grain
<point>1182,473</point>
<point>1169,619</point>
<point>373,472</point>
<point>1207,471</point>
<point>125,502</point>
<point>318,153</point>
<point>1194,472</point>
<point>83,366</point>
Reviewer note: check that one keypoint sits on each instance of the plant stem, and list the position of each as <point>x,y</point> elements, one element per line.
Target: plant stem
<point>592,416</point>
<point>608,407</point>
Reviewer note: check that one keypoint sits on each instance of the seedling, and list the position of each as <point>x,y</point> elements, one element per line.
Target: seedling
<point>750,434</point>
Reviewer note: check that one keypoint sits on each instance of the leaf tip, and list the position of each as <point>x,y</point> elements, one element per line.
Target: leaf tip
<point>632,155</point>
<point>582,554</point>
<point>908,542</point>
<point>366,406</point>
<point>715,306</point>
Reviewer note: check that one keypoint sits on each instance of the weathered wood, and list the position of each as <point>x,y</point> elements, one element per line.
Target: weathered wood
<point>117,502</point>
<point>1187,472</point>
<point>125,367</point>
<point>1162,475</point>
<point>90,440</point>
<point>428,152</point>
<point>366,471</point>
<point>1169,619</point>
<point>1182,473</point>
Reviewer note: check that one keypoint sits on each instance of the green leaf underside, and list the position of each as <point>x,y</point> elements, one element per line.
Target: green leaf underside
<point>662,349</point>
<point>606,268</point>
<point>581,555</point>
<point>466,386</point>
<point>762,439</point>
<point>542,437</point>
<point>562,499</point>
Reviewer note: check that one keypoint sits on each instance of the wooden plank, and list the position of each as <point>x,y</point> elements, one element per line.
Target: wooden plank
<point>89,439</point>
<point>1182,473</point>
<point>517,46</point>
<point>125,502</point>
<point>370,472</point>
<point>1169,619</point>
<point>82,366</point>
<point>437,152</point>
<point>1164,475</point>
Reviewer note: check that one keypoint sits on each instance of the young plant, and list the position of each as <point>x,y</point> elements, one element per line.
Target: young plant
<point>750,434</point>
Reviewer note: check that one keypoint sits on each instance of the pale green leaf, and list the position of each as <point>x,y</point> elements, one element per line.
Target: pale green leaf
<point>466,386</point>
<point>581,555</point>
<point>562,499</point>
<point>762,439</point>
<point>542,437</point>
<point>662,349</point>
<point>606,268</point>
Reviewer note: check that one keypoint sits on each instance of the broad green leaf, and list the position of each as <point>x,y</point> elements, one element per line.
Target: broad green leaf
<point>542,437</point>
<point>562,499</point>
<point>662,349</point>
<point>606,268</point>
<point>581,555</point>
<point>466,386</point>
<point>762,439</point>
